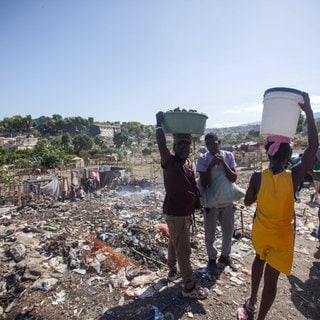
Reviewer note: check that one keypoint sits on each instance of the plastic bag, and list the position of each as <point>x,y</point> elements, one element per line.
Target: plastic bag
<point>221,190</point>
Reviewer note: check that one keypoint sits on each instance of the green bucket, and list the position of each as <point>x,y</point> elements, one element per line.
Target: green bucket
<point>184,122</point>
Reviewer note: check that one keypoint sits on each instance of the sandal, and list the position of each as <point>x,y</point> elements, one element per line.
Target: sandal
<point>242,314</point>
<point>196,293</point>
<point>249,309</point>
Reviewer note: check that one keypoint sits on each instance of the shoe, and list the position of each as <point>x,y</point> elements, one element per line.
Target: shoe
<point>196,293</point>
<point>173,275</point>
<point>249,308</point>
<point>212,267</point>
<point>246,312</point>
<point>242,314</point>
<point>226,261</point>
<point>317,254</point>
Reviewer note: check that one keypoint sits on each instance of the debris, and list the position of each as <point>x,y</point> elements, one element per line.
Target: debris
<point>115,259</point>
<point>45,284</point>
<point>112,251</point>
<point>18,251</point>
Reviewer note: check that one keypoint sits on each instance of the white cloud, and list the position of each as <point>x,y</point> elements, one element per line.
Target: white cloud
<point>239,115</point>
<point>254,108</point>
<point>315,99</point>
<point>315,103</point>
<point>234,110</point>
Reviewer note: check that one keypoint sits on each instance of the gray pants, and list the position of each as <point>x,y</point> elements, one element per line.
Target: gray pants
<point>225,216</point>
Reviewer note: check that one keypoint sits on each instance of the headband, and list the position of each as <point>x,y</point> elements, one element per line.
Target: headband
<point>276,141</point>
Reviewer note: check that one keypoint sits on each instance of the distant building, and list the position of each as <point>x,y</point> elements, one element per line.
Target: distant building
<point>19,142</point>
<point>250,146</point>
<point>108,131</point>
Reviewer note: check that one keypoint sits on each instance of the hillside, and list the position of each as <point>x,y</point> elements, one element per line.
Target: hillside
<point>244,128</point>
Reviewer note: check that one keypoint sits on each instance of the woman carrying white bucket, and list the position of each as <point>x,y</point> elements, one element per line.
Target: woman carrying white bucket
<point>273,227</point>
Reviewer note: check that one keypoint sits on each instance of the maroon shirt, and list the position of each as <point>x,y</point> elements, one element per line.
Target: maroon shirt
<point>180,185</point>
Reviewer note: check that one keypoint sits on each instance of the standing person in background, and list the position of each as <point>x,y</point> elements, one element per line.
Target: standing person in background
<point>273,227</point>
<point>213,163</point>
<point>317,253</point>
<point>316,179</point>
<point>81,193</point>
<point>179,205</point>
<point>72,194</point>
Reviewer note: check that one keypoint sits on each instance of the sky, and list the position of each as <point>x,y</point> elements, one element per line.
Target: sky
<point>125,60</point>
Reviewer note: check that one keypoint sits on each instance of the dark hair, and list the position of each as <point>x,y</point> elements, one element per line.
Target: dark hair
<point>210,136</point>
<point>283,153</point>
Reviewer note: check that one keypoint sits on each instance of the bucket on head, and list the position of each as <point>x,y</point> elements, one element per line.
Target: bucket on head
<point>184,122</point>
<point>281,112</point>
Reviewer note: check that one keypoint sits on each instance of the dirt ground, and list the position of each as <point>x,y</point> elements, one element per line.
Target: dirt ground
<point>81,291</point>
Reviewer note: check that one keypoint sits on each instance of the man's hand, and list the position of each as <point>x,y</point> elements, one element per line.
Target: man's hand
<point>217,158</point>
<point>159,117</point>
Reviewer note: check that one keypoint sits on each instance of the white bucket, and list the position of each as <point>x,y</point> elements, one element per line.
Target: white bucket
<point>280,112</point>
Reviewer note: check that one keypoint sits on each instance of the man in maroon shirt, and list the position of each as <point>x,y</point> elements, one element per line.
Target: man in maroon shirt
<point>179,205</point>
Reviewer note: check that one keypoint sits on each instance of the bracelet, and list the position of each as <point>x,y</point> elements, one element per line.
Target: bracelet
<point>159,128</point>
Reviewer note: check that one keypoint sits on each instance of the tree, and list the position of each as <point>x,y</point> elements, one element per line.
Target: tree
<point>49,152</point>
<point>57,117</point>
<point>3,156</point>
<point>27,123</point>
<point>100,142</point>
<point>47,126</point>
<point>82,142</point>
<point>66,142</point>
<point>134,129</point>
<point>120,138</point>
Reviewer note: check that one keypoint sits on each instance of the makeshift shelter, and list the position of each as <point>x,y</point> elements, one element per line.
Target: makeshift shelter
<point>52,185</point>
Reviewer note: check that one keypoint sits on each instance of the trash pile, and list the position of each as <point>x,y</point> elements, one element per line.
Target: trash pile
<point>83,259</point>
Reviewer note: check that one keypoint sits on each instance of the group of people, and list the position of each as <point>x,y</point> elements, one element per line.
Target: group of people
<point>272,189</point>
<point>76,193</point>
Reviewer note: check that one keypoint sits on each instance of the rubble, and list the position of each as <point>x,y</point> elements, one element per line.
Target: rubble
<point>86,259</point>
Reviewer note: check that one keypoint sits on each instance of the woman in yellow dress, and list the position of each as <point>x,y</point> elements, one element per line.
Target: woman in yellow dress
<point>273,228</point>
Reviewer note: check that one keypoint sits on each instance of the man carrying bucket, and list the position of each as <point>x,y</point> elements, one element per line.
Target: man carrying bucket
<point>179,205</point>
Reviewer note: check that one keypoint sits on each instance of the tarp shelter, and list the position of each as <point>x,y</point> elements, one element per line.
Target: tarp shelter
<point>52,186</point>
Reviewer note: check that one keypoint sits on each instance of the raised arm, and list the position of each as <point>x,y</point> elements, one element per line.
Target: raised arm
<point>307,160</point>
<point>161,139</point>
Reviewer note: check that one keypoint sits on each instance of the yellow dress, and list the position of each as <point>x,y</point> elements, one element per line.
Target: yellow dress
<point>273,226</point>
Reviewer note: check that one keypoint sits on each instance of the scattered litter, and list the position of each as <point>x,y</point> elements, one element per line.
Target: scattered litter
<point>18,251</point>
<point>236,280</point>
<point>43,284</point>
<point>143,293</point>
<point>246,271</point>
<point>144,279</point>
<point>158,315</point>
<point>115,259</point>
<point>80,271</point>
<point>164,228</point>
<point>116,247</point>
<point>217,291</point>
